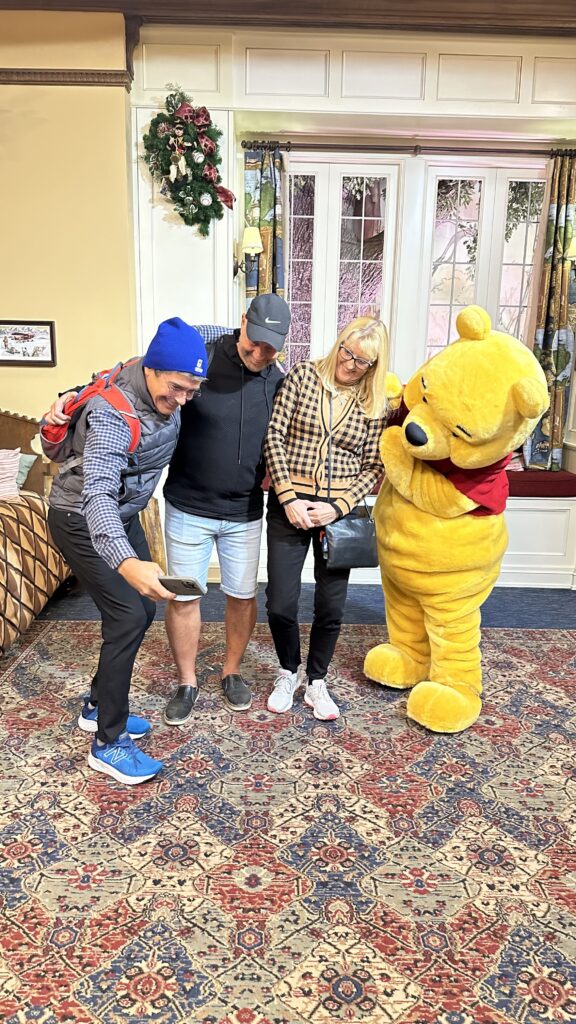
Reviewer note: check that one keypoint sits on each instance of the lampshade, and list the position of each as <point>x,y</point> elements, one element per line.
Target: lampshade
<point>251,241</point>
<point>571,254</point>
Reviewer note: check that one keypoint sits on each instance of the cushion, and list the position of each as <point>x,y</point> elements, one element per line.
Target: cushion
<point>540,483</point>
<point>31,566</point>
<point>9,465</point>
<point>25,465</point>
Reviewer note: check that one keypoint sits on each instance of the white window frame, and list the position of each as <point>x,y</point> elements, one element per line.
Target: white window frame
<point>329,169</point>
<point>491,226</point>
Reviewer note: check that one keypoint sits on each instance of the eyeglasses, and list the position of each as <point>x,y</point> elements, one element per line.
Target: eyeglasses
<point>179,392</point>
<point>359,362</point>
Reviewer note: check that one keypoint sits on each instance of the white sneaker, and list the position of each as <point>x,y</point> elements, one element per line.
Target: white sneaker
<point>318,698</point>
<point>285,685</point>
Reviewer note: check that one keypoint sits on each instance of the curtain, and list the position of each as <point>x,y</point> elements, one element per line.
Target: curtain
<point>556,317</point>
<point>263,174</point>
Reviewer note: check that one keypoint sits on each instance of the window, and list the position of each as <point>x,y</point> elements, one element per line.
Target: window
<point>411,241</point>
<point>340,262</point>
<point>483,236</point>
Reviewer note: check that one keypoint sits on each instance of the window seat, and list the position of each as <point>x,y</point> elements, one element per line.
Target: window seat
<point>538,483</point>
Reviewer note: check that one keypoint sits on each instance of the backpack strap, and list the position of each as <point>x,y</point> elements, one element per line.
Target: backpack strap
<point>102,384</point>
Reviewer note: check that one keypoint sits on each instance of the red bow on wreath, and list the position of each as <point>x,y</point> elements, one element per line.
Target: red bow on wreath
<point>208,146</point>
<point>225,196</point>
<point>209,172</point>
<point>202,117</point>
<point>185,112</point>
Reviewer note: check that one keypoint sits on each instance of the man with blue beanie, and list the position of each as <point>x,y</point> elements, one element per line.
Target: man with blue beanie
<point>95,503</point>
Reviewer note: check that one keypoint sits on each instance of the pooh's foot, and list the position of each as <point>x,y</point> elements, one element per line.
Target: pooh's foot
<point>390,666</point>
<point>443,707</point>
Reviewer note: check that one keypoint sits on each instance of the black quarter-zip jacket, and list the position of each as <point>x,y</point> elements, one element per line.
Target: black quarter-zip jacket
<point>217,468</point>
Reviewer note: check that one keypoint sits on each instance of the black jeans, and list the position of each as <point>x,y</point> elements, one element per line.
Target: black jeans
<point>125,614</point>
<point>287,550</point>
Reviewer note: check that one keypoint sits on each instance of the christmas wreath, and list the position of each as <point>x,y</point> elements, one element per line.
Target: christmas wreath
<point>181,150</point>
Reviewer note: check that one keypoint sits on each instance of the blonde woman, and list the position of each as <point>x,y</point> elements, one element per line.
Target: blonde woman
<point>343,393</point>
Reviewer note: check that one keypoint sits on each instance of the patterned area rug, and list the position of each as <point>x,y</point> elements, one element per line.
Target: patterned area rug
<point>282,870</point>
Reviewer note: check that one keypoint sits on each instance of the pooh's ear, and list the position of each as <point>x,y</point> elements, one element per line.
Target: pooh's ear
<point>530,397</point>
<point>473,323</point>
<point>413,391</point>
<point>394,390</point>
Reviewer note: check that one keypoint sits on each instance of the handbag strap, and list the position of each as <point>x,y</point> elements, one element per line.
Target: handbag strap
<point>330,447</point>
<point>366,506</point>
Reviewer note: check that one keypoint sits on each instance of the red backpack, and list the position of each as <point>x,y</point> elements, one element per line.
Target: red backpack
<point>102,384</point>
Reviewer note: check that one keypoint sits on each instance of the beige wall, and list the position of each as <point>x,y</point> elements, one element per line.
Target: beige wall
<point>66,238</point>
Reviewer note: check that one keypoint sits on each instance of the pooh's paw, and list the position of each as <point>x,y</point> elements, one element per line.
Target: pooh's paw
<point>392,667</point>
<point>441,708</point>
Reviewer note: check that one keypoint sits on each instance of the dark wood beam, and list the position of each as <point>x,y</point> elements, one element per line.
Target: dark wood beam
<point>493,17</point>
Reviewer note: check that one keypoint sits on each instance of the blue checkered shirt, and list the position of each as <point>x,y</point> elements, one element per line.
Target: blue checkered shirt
<point>105,456</point>
<point>211,332</point>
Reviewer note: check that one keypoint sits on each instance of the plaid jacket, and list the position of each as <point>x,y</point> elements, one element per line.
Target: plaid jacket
<point>296,445</point>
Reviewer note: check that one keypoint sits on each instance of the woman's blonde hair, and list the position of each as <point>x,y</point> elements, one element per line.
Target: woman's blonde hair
<point>372,338</point>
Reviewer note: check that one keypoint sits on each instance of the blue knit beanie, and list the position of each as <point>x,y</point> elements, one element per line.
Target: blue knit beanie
<point>177,347</point>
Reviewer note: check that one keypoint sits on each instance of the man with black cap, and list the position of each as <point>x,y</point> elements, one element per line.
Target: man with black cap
<point>214,494</point>
<point>93,517</point>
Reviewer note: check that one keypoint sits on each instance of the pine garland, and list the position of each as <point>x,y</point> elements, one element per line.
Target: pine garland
<point>181,150</point>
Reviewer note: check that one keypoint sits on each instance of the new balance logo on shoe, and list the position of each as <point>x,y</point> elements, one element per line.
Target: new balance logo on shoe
<point>116,754</point>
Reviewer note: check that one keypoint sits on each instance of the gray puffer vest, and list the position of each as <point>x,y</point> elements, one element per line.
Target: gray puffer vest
<point>139,479</point>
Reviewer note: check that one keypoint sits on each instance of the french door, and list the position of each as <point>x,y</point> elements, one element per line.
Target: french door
<point>341,242</point>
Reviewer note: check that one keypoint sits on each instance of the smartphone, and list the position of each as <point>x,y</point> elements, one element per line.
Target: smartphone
<point>185,586</point>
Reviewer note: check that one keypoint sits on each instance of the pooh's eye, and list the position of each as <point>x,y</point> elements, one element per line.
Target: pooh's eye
<point>464,431</point>
<point>424,399</point>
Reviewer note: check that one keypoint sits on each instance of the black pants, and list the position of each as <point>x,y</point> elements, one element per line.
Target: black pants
<point>287,550</point>
<point>125,614</point>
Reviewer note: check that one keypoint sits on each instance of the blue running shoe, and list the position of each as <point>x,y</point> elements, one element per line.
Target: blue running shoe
<point>135,727</point>
<point>123,761</point>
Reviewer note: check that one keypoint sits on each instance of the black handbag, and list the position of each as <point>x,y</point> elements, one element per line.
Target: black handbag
<point>349,542</point>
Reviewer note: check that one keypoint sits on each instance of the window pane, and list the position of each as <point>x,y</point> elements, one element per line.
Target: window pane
<point>463,290</point>
<point>302,236</point>
<point>438,321</point>
<point>349,282</point>
<point>346,313</point>
<point>441,287</point>
<point>302,188</point>
<point>510,319</point>
<point>455,242</point>
<point>511,285</point>
<point>523,209</point>
<point>372,284</point>
<point>350,235</point>
<point>301,285</point>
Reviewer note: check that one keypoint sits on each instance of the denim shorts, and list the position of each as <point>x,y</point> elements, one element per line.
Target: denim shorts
<point>189,543</point>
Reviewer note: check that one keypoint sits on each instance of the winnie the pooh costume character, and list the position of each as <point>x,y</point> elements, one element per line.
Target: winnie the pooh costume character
<point>439,515</point>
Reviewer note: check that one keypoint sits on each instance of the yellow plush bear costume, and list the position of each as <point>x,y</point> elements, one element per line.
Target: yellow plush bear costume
<point>441,531</point>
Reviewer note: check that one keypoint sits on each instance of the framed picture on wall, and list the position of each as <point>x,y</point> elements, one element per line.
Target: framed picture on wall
<point>27,343</point>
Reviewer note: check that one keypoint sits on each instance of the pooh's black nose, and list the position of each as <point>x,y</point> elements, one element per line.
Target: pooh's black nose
<point>416,435</point>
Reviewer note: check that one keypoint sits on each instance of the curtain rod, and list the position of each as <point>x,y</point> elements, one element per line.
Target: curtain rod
<point>415,150</point>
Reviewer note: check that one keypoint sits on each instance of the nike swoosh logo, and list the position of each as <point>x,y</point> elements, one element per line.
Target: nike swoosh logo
<point>269,321</point>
